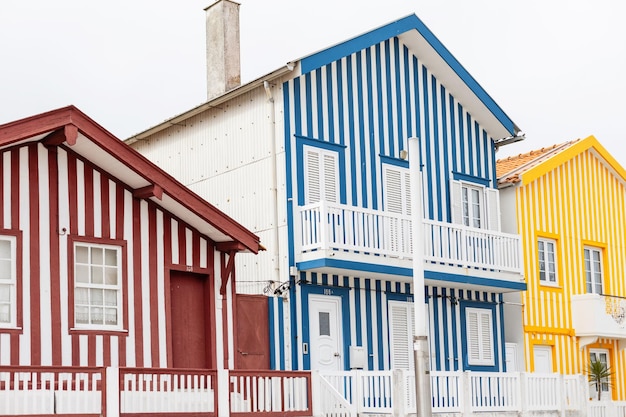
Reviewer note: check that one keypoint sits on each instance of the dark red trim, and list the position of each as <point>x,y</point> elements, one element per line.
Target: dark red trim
<point>105,220</point>
<point>55,274</point>
<point>148,191</point>
<point>154,286</point>
<point>35,276</point>
<point>167,260</point>
<point>15,225</point>
<point>137,284</point>
<point>212,317</point>
<point>120,219</point>
<point>182,244</point>
<point>90,332</point>
<point>68,133</point>
<point>223,267</point>
<point>228,270</point>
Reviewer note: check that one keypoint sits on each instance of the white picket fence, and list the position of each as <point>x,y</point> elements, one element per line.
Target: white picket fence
<point>463,393</point>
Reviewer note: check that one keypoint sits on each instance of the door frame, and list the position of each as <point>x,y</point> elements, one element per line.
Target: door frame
<point>209,294</point>
<point>343,293</point>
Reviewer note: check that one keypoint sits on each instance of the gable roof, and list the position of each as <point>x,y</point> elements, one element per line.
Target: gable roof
<point>419,39</point>
<point>525,168</point>
<point>71,127</point>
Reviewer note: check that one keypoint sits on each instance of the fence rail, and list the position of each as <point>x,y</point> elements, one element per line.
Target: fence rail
<point>52,390</point>
<point>328,226</point>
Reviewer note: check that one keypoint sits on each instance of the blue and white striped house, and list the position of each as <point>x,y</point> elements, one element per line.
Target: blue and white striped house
<point>314,155</point>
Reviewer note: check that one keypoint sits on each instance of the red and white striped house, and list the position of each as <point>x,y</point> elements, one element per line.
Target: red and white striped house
<point>106,259</point>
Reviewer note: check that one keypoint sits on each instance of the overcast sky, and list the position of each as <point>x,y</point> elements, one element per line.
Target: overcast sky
<point>557,68</point>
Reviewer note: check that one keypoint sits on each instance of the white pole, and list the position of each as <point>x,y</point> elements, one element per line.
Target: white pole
<point>420,340</point>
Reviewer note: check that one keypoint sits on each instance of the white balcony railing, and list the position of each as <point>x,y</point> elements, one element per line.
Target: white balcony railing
<point>338,227</point>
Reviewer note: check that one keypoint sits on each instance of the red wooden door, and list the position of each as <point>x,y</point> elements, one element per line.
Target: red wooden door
<point>253,337</point>
<point>189,320</point>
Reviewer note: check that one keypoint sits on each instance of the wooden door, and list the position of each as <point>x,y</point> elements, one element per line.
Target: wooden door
<point>189,320</point>
<point>253,336</point>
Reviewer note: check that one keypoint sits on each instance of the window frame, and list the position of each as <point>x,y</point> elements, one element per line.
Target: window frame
<point>122,325</point>
<point>16,309</point>
<point>605,387</point>
<point>591,273</point>
<point>488,202</point>
<point>469,219</point>
<point>302,144</point>
<point>545,281</point>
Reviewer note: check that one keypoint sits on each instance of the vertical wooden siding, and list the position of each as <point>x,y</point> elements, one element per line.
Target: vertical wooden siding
<point>578,202</point>
<point>49,194</point>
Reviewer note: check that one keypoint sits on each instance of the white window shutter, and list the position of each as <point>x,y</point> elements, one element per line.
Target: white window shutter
<point>479,328</point>
<point>492,196</point>
<point>321,171</point>
<point>397,189</point>
<point>401,334</point>
<point>456,202</point>
<point>312,173</point>
<point>331,177</point>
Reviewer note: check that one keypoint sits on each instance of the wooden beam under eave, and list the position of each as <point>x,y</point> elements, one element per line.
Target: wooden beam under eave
<point>230,246</point>
<point>151,190</point>
<point>67,134</point>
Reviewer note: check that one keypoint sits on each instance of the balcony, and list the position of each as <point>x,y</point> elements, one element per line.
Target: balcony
<point>335,238</point>
<point>599,316</point>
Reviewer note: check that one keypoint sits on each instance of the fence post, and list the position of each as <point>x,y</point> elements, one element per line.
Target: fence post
<point>398,395</point>
<point>112,392</point>
<point>223,393</point>
<point>523,396</point>
<point>466,394</point>
<point>315,395</point>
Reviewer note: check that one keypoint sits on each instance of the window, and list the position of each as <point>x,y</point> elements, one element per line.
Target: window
<point>547,261</point>
<point>8,281</point>
<point>321,175</point>
<point>475,205</point>
<point>593,269</point>
<point>600,355</point>
<point>479,328</point>
<point>97,286</point>
<point>471,203</point>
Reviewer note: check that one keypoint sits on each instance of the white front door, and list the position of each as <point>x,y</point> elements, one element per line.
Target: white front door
<point>510,356</point>
<point>543,359</point>
<point>325,333</point>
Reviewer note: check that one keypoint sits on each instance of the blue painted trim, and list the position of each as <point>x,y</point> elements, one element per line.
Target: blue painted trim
<point>379,326</point>
<point>439,175</point>
<point>455,341</point>
<point>398,96</point>
<point>446,335</point>
<point>301,142</point>
<point>407,97</point>
<point>357,309</point>
<point>368,314</point>
<point>460,176</point>
<point>330,103</point>
<point>351,134</point>
<point>502,335</point>
<point>397,296</point>
<point>355,266</point>
<point>308,103</point>
<point>320,104</point>
<point>447,145</point>
<point>408,272</point>
<point>397,28</point>
<point>394,161</point>
<point>470,143</point>
<point>389,133</point>
<point>361,126</point>
<point>496,340</point>
<point>371,134</point>
<point>435,320</point>
<point>474,280</point>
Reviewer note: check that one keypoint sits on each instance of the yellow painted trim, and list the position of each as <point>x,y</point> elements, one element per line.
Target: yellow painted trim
<point>564,156</point>
<point>549,344</point>
<point>549,330</point>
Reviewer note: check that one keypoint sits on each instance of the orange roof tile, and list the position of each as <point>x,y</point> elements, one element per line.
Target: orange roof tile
<point>509,169</point>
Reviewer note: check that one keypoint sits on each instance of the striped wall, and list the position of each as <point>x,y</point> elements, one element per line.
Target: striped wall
<point>579,202</point>
<point>365,321</point>
<point>371,102</point>
<point>48,197</point>
<point>368,104</point>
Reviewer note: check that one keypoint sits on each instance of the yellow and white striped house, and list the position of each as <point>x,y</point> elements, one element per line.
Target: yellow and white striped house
<point>568,203</point>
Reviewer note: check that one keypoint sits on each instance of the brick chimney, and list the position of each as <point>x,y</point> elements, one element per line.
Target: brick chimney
<point>222,47</point>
